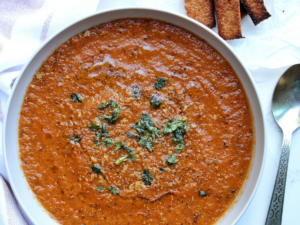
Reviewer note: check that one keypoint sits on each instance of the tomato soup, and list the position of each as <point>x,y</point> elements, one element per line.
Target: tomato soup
<point>136,121</point>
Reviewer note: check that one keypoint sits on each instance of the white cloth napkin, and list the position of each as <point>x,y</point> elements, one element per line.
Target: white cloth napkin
<point>24,25</point>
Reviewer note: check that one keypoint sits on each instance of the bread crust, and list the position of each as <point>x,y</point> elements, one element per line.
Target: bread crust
<point>202,11</point>
<point>243,11</point>
<point>256,10</point>
<point>228,18</point>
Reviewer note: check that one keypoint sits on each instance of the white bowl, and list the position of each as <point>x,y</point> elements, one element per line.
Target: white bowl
<point>32,210</point>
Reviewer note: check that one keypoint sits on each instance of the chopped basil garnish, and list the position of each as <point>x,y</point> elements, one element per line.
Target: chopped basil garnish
<point>146,142</point>
<point>146,177</point>
<point>172,160</point>
<point>180,146</point>
<point>147,124</point>
<point>178,127</point>
<point>102,133</point>
<point>96,142</point>
<point>122,159</point>
<point>147,131</point>
<point>202,193</point>
<point>100,189</point>
<point>94,127</point>
<point>136,92</point>
<point>110,103</point>
<point>119,145</point>
<point>108,142</point>
<point>113,190</point>
<point>130,135</point>
<point>155,101</point>
<point>161,170</point>
<point>75,138</point>
<point>113,104</point>
<point>97,169</point>
<point>114,116</point>
<point>161,83</point>
<point>76,97</point>
<point>128,150</point>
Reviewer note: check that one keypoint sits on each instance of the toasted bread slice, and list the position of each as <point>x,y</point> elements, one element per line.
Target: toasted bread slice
<point>228,18</point>
<point>202,11</point>
<point>256,10</point>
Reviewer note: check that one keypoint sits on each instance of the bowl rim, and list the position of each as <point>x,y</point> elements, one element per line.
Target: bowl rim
<point>9,102</point>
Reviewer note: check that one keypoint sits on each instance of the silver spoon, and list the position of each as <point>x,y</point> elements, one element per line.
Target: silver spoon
<point>286,111</point>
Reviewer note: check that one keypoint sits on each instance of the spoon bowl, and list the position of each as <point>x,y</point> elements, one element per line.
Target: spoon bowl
<point>286,109</point>
<point>286,99</point>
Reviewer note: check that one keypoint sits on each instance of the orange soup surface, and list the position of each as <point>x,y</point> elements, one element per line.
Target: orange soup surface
<point>136,121</point>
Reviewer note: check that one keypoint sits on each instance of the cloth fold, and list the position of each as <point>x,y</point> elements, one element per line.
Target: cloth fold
<point>9,212</point>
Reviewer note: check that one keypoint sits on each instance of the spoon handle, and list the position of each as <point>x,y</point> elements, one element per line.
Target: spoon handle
<point>276,206</point>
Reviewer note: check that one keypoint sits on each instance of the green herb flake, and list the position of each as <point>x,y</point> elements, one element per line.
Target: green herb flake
<point>149,126</point>
<point>155,101</point>
<point>147,131</point>
<point>110,103</point>
<point>76,97</point>
<point>103,106</point>
<point>202,193</point>
<point>76,139</point>
<point>113,118</point>
<point>178,136</point>
<point>130,152</point>
<point>161,83</point>
<point>119,145</point>
<point>179,128</point>
<point>97,169</point>
<point>113,190</point>
<point>136,92</point>
<point>180,146</point>
<point>108,142</point>
<point>176,124</point>
<point>161,170</point>
<point>96,142</point>
<point>122,159</point>
<point>104,131</point>
<point>100,134</point>
<point>100,189</point>
<point>146,177</point>
<point>146,142</point>
<point>172,160</point>
<point>233,191</point>
<point>113,104</point>
<point>130,135</point>
<point>94,127</point>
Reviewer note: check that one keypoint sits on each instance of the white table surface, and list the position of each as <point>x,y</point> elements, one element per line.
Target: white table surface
<point>266,80</point>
